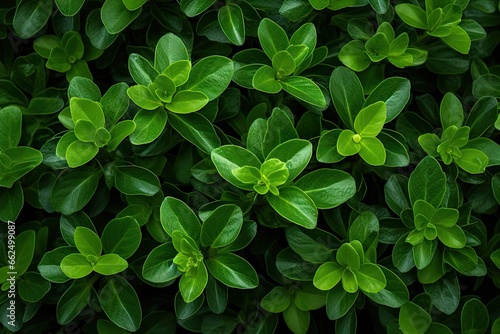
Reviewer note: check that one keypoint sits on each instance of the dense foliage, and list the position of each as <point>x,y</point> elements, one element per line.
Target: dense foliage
<point>250,166</point>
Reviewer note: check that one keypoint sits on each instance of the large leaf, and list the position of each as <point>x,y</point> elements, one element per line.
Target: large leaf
<point>135,180</point>
<point>176,215</point>
<point>121,236</point>
<point>232,23</point>
<point>233,271</point>
<point>10,127</point>
<point>73,301</point>
<point>229,157</point>
<point>31,16</point>
<point>116,16</point>
<point>294,205</point>
<point>222,226</point>
<point>74,189</point>
<point>121,304</point>
<point>347,94</point>
<point>395,92</point>
<point>328,188</point>
<point>427,182</point>
<point>197,129</point>
<point>211,76</point>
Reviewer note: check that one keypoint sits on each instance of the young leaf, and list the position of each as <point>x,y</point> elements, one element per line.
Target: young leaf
<point>87,241</point>
<point>370,120</point>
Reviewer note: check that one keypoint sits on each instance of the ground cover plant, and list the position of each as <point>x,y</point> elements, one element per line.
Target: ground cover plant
<point>250,166</point>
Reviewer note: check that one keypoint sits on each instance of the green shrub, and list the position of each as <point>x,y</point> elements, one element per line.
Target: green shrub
<point>305,166</point>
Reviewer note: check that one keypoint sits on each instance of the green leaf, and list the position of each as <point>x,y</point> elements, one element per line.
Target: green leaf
<point>380,6</point>
<point>195,7</point>
<point>121,236</point>
<point>31,16</point>
<point>396,151</point>
<point>176,215</point>
<point>294,205</point>
<point>395,92</point>
<point>458,40</point>
<point>232,23</point>
<point>347,94</point>
<point>395,293</point>
<point>73,301</point>
<point>451,111</point>
<point>233,271</point>
<point>159,266</point>
<point>328,275</point>
<point>412,15</point>
<point>119,132</point>
<point>413,319</point>
<point>178,72</point>
<point>370,278</point>
<point>372,151</point>
<point>229,157</point>
<point>304,89</point>
<point>79,153</point>
<point>482,115</point>
<point>192,284</point>
<point>346,144</point>
<point>87,241</point>
<point>276,301</point>
<point>296,319</point>
<point>116,16</point>
<point>10,127</point>
<point>141,70</point>
<point>170,49</point>
<point>135,180</point>
<point>272,37</point>
<point>353,55</point>
<point>495,186</point>
<point>120,303</point>
<point>133,4</point>
<point>377,47</point>
<point>339,302</point>
<point>88,110</point>
<point>110,264</point>
<point>264,80</point>
<point>472,161</point>
<point>149,126</point>
<point>295,153</point>
<point>222,226</point>
<point>423,252</point>
<point>76,266</point>
<point>196,129</point>
<point>211,76</point>
<point>370,120</point>
<point>32,287</point>
<point>73,190</point>
<point>12,200</point>
<point>445,293</point>
<point>143,97</point>
<point>328,188</point>
<point>69,7</point>
<point>50,264</point>
<point>474,317</point>
<point>427,182</point>
<point>327,151</point>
